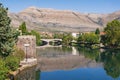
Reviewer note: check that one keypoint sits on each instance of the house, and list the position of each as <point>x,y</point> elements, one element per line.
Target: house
<point>75,35</point>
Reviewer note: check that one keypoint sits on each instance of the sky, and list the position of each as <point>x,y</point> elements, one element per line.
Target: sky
<point>84,6</point>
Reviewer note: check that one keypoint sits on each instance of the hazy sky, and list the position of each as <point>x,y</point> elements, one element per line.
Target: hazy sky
<point>85,6</point>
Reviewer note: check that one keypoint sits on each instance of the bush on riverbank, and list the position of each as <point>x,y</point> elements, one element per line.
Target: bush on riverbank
<point>3,70</point>
<point>19,53</point>
<point>89,40</point>
<point>10,63</point>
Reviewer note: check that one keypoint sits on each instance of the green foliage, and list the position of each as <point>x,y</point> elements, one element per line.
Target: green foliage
<point>35,33</point>
<point>7,36</point>
<point>97,31</point>
<point>112,31</point>
<point>19,53</point>
<point>12,62</point>
<point>23,28</point>
<point>3,70</point>
<point>58,36</point>
<point>88,38</point>
<point>67,39</point>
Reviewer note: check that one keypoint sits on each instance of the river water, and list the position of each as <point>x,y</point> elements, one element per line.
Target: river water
<point>76,63</point>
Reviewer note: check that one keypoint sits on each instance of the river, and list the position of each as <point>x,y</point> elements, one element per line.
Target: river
<point>76,63</point>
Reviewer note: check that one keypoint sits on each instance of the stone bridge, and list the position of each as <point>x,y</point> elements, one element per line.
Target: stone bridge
<point>49,40</point>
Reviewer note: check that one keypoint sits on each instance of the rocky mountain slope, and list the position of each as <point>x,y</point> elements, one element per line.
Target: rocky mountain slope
<point>61,20</point>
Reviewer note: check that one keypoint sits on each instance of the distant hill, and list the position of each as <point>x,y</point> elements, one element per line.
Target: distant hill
<point>61,20</point>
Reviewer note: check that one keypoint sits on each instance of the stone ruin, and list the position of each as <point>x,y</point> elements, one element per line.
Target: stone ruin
<point>28,44</point>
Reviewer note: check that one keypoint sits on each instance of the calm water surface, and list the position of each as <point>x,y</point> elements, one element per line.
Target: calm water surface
<point>70,63</point>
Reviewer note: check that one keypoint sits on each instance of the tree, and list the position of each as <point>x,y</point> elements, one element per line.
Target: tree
<point>23,28</point>
<point>90,38</point>
<point>7,36</point>
<point>112,32</point>
<point>97,31</point>
<point>67,39</point>
<point>81,39</point>
<point>35,33</point>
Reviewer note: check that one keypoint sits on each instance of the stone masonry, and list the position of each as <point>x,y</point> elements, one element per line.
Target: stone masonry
<point>31,49</point>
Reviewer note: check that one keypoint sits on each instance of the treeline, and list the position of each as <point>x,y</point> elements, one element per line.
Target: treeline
<point>110,37</point>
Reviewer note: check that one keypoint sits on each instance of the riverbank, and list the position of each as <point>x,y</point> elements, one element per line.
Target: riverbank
<point>31,62</point>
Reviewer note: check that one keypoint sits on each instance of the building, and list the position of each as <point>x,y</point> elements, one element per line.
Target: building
<point>75,35</point>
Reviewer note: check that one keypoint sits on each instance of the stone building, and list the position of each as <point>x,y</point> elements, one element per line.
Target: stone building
<point>28,44</point>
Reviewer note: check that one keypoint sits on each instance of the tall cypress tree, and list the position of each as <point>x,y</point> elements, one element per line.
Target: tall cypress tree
<point>97,31</point>
<point>7,37</point>
<point>23,28</point>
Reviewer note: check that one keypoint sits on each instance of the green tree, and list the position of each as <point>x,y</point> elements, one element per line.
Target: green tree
<point>81,39</point>
<point>90,38</point>
<point>97,31</point>
<point>7,36</point>
<point>67,39</point>
<point>112,31</point>
<point>35,33</point>
<point>23,28</point>
<point>58,35</point>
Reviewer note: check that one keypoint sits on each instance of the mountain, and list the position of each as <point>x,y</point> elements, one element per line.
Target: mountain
<point>61,20</point>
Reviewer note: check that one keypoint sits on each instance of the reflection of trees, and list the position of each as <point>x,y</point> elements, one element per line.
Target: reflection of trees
<point>38,75</point>
<point>89,53</point>
<point>111,59</point>
<point>67,48</point>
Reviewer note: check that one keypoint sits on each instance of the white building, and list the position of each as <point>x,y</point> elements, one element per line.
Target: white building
<point>75,35</point>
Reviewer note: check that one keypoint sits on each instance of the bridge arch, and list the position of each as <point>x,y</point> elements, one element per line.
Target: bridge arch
<point>50,40</point>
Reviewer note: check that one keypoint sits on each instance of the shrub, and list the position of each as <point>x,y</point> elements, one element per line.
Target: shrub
<point>19,53</point>
<point>12,62</point>
<point>3,70</point>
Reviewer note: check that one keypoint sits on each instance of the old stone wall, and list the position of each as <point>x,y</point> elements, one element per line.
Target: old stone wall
<point>30,49</point>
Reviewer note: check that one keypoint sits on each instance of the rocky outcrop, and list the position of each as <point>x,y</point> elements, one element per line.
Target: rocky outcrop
<point>61,20</point>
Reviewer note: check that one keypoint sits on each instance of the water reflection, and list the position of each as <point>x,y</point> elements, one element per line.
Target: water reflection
<point>80,57</point>
<point>29,74</point>
<point>74,51</point>
<point>111,60</point>
<point>63,58</point>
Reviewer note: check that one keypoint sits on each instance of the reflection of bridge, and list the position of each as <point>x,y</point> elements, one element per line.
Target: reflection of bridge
<point>51,40</point>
